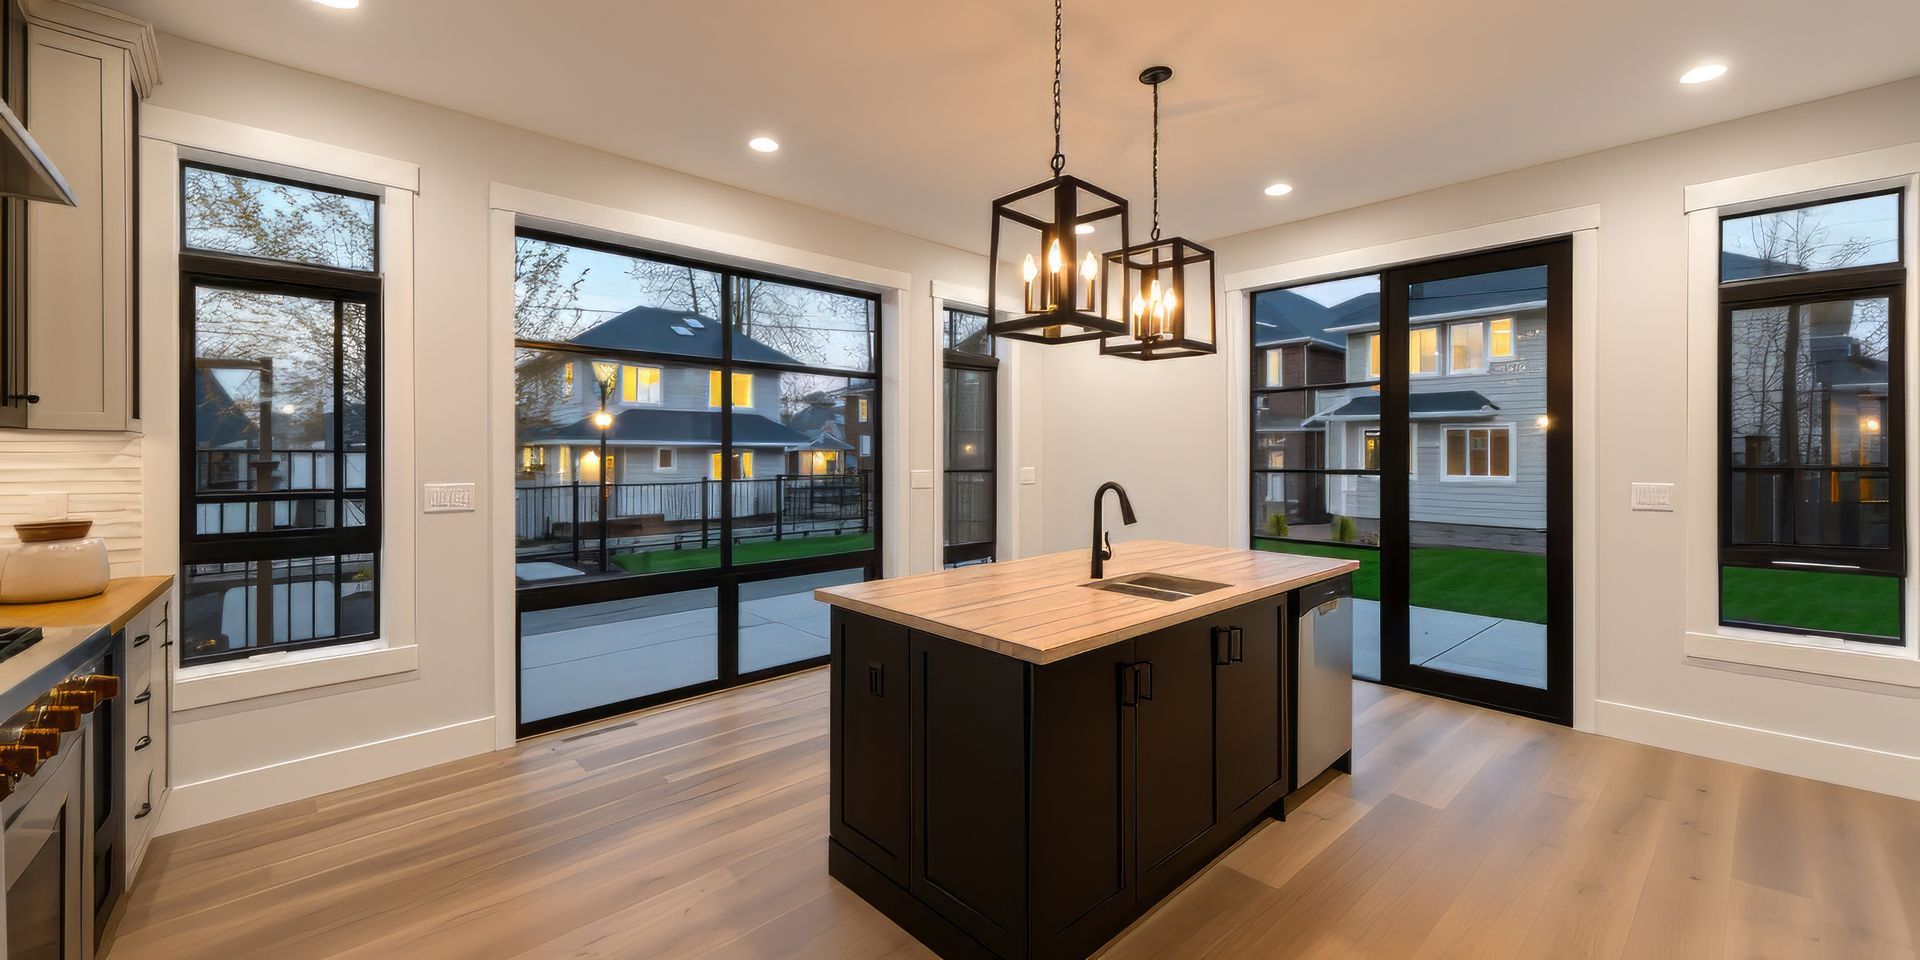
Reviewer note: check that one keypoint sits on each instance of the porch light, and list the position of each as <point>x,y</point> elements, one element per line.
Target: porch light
<point>1163,289</point>
<point>1039,228</point>
<point>602,419</point>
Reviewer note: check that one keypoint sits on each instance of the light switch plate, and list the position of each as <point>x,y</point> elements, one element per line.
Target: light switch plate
<point>922,479</point>
<point>449,497</point>
<point>1029,475</point>
<point>1653,496</point>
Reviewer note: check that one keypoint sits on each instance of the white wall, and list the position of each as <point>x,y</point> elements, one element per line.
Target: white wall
<point>1170,417</point>
<point>44,473</point>
<point>235,757</point>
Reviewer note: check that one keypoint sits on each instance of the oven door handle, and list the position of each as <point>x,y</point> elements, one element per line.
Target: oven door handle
<point>145,808</point>
<point>143,743</point>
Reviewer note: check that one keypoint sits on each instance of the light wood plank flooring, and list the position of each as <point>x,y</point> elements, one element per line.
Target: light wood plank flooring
<point>698,830</point>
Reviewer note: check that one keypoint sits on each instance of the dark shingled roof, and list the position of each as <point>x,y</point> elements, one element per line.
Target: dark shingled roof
<point>1280,316</point>
<point>1441,404</point>
<point>656,331</point>
<point>1739,266</point>
<point>690,427</point>
<point>1479,293</point>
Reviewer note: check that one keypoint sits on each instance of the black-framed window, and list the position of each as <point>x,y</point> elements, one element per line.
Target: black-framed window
<point>13,234</point>
<point>697,450</point>
<point>1812,423</point>
<point>280,296</point>
<point>970,488</point>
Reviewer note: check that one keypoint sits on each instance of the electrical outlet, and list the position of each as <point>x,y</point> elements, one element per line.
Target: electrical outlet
<point>449,498</point>
<point>1653,496</point>
<point>1029,476</point>
<point>922,479</point>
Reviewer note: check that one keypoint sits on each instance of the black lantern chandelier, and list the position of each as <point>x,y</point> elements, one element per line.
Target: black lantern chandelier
<point>1041,230</point>
<point>1165,287</point>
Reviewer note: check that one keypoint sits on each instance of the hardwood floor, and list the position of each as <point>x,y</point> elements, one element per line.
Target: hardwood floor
<point>698,830</point>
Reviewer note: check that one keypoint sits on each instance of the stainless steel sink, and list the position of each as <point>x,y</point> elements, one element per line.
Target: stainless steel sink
<point>1157,586</point>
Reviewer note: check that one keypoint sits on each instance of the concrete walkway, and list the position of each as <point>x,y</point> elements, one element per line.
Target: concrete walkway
<point>1512,651</point>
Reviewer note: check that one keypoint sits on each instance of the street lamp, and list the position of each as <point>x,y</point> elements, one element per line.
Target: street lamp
<point>602,421</point>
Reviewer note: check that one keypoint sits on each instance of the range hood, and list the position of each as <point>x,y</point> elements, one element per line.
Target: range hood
<point>25,171</point>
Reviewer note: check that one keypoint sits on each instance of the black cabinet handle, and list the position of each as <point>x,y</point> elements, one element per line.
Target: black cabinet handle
<point>1129,678</point>
<point>876,679</point>
<point>28,397</point>
<point>145,808</point>
<point>1237,650</point>
<point>144,696</point>
<point>1222,647</point>
<point>141,640</point>
<point>142,743</point>
<point>1145,684</point>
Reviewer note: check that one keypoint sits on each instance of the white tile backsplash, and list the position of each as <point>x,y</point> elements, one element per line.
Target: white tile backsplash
<point>95,476</point>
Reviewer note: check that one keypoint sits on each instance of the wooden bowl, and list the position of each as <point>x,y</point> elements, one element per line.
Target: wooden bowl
<point>47,531</point>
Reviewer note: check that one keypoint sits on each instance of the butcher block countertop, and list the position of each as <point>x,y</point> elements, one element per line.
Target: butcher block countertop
<point>124,597</point>
<point>1041,611</point>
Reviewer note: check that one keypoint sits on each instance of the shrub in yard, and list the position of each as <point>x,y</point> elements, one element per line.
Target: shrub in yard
<point>1277,524</point>
<point>1344,530</point>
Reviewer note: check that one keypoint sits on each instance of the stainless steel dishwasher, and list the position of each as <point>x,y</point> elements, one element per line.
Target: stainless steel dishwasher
<point>1322,679</point>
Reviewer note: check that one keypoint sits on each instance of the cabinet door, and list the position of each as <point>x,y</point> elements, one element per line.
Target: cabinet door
<point>969,816</point>
<point>79,293</point>
<point>1082,770</point>
<point>869,744</point>
<point>1174,749</point>
<point>1248,709</point>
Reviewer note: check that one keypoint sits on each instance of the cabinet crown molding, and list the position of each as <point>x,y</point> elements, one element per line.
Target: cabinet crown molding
<point>93,22</point>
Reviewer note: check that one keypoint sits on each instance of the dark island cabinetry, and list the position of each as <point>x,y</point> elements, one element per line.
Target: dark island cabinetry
<point>996,807</point>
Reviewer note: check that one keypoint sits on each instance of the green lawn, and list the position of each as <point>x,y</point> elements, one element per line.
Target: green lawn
<point>1491,583</point>
<point>1811,600</point>
<point>758,551</point>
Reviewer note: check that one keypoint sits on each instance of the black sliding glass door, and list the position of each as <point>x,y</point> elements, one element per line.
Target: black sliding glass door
<point>1418,420</point>
<point>663,547</point>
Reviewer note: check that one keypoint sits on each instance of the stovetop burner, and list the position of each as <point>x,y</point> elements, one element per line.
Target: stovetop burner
<point>15,639</point>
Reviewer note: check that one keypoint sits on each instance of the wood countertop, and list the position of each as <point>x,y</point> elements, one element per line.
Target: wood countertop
<point>1040,609</point>
<point>124,597</point>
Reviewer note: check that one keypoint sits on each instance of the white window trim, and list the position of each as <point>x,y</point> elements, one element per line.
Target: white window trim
<point>1706,639</point>
<point>639,396</point>
<point>1439,351</point>
<point>1485,355</point>
<point>673,459</point>
<point>1513,453</point>
<point>167,137</point>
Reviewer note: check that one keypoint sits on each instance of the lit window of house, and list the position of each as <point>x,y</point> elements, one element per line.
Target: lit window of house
<point>742,389</point>
<point>566,375</point>
<point>1469,345</point>
<point>863,409</point>
<point>1373,356</point>
<point>1423,351</point>
<point>1273,368</point>
<point>1500,339</point>
<point>1479,453</point>
<point>639,384</point>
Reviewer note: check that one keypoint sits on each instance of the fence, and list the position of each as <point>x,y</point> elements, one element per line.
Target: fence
<point>689,512</point>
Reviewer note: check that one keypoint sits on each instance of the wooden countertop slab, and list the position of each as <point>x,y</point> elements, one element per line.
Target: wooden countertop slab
<point>124,597</point>
<point>1040,609</point>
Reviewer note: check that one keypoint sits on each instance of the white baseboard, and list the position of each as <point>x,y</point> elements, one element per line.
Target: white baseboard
<point>193,804</point>
<point>1881,771</point>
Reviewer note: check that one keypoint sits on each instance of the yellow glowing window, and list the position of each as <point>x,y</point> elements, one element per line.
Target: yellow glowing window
<point>1273,368</point>
<point>742,389</point>
<point>567,375</point>
<point>1500,338</point>
<point>639,384</point>
<point>863,409</point>
<point>1373,356</point>
<point>1423,351</point>
<point>746,463</point>
<point>713,465</point>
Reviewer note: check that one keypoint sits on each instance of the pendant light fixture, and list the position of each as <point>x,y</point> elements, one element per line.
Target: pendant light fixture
<point>1163,288</point>
<point>1040,231</point>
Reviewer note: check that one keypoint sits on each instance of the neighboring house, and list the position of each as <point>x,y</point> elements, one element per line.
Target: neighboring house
<point>1477,399</point>
<point>666,416</point>
<point>838,425</point>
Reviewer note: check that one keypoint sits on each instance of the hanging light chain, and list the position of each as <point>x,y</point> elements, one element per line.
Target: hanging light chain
<point>1059,162</point>
<point>1156,162</point>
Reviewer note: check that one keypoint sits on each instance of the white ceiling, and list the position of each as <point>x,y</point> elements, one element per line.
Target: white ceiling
<point>913,114</point>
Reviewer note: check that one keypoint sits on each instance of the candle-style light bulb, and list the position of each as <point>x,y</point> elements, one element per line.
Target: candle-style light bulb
<point>1054,263</point>
<point>1089,266</point>
<point>1139,305</point>
<point>1168,300</point>
<point>1029,270</point>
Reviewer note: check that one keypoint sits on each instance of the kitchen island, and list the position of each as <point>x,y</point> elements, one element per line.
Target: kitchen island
<point>1023,764</point>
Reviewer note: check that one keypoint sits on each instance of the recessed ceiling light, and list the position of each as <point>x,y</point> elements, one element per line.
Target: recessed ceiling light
<point>764,144</point>
<point>339,4</point>
<point>1083,229</point>
<point>1704,73</point>
<point>1279,189</point>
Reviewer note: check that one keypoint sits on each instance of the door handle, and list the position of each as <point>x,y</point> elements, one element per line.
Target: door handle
<point>1144,684</point>
<point>141,640</point>
<point>1222,646</point>
<point>876,679</point>
<point>1237,649</point>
